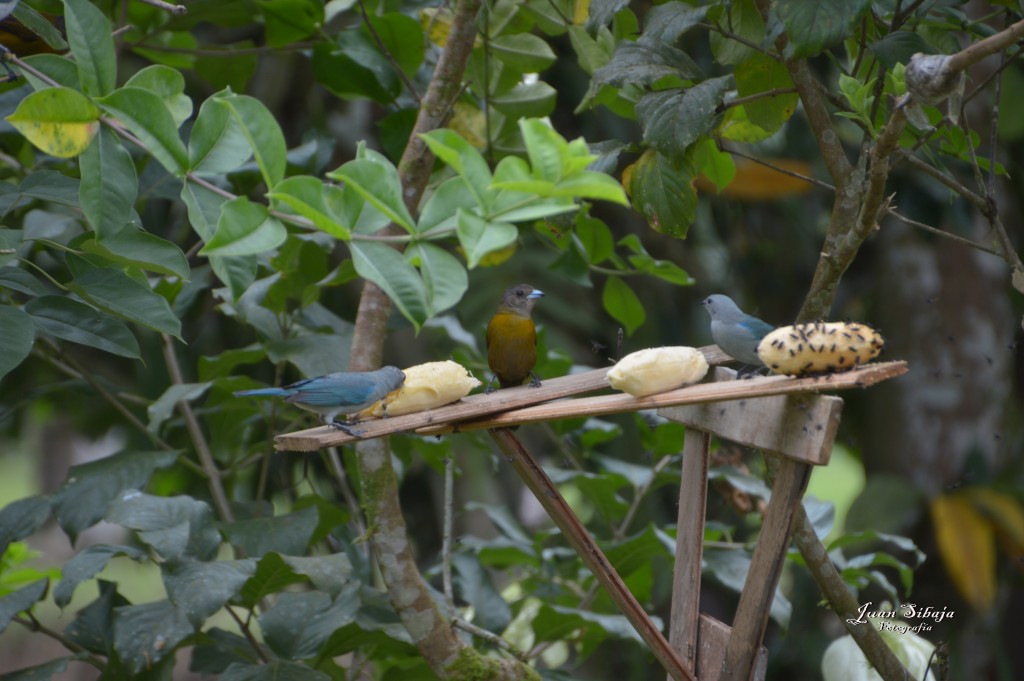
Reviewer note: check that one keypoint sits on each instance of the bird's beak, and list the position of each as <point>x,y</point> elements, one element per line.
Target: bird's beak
<point>534,294</point>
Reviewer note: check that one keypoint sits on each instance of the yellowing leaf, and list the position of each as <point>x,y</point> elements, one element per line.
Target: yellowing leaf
<point>437,23</point>
<point>757,182</point>
<point>966,542</point>
<point>469,122</point>
<point>59,121</point>
<point>580,12</point>
<point>1005,513</point>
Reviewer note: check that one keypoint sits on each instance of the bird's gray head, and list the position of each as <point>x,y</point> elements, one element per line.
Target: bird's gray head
<point>520,299</point>
<point>393,376</point>
<point>722,308</point>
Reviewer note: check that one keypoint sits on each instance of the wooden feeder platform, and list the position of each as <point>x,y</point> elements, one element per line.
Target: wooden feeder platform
<point>789,419</point>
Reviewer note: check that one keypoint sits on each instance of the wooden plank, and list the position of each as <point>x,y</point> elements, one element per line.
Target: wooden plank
<point>473,406</point>
<point>801,426</point>
<point>511,403</point>
<point>693,493</point>
<point>751,619</point>
<point>713,639</point>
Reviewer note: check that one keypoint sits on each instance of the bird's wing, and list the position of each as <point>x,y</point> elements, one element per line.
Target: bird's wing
<point>334,390</point>
<point>756,327</point>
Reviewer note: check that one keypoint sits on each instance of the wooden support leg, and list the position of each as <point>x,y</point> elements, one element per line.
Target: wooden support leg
<point>751,619</point>
<point>693,494</point>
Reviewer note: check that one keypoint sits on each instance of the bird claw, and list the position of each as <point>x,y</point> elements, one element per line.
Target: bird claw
<point>345,429</point>
<point>534,381</point>
<point>488,389</point>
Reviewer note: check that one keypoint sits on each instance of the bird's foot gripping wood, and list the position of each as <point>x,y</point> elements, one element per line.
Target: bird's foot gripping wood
<point>489,389</point>
<point>534,381</point>
<point>348,430</point>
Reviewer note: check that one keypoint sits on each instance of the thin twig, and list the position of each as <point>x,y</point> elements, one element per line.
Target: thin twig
<point>446,543</point>
<point>178,10</point>
<point>944,234</point>
<point>334,459</point>
<point>387,54</point>
<point>206,460</point>
<point>821,184</point>
<point>490,637</point>
<point>767,94</point>
<point>247,632</point>
<point>32,624</point>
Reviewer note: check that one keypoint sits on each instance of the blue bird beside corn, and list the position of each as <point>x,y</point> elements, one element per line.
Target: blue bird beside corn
<point>338,393</point>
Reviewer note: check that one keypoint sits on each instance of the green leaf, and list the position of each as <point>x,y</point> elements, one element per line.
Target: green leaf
<point>478,237</point>
<point>85,564</point>
<point>642,63</point>
<point>464,159</point>
<point>62,317</point>
<point>59,121</point>
<point>328,207</point>
<point>444,277</point>
<point>524,52</point>
<point>402,37</point>
<point>389,270</point>
<point>177,528</point>
<point>41,672</point>
<point>20,519</point>
<point>287,534</point>
<point>204,209</point>
<point>288,21</point>
<point>163,407</point>
<point>148,118</point>
<point>663,193</point>
<point>898,48</point>
<point>668,22</point>
<point>474,584</point>
<point>38,24</point>
<point>276,670</point>
<point>218,143</point>
<point>86,494</point>
<point>16,337</point>
<point>760,74</point>
<point>594,238</point>
<point>526,99</point>
<point>131,246</point>
<point>300,623</point>
<point>201,589</point>
<point>376,180</point>
<point>92,44</point>
<point>545,148</point>
<point>440,209</point>
<point>354,67</point>
<point>272,575</point>
<point>622,304</point>
<point>262,131</point>
<point>674,119</point>
<point>713,163</point>
<point>117,293</point>
<point>21,600</point>
<point>743,20</point>
<point>145,634</point>
<point>109,183</point>
<point>813,25</point>
<point>169,85</point>
<point>245,228</point>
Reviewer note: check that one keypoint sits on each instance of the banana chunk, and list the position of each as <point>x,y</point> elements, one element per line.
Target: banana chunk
<point>656,370</point>
<point>427,386</point>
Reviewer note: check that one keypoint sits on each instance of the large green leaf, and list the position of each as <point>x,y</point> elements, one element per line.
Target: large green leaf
<point>117,293</point>
<point>88,562</point>
<point>177,528</point>
<point>200,589</point>
<point>327,206</point>
<point>21,600</point>
<point>664,193</point>
<point>262,131</point>
<point>444,276</point>
<point>288,21</point>
<point>300,623</point>
<point>163,407</point>
<point>744,20</point>
<point>523,52</point>
<point>286,534</point>
<point>813,25</point>
<point>389,270</point>
<point>218,143</point>
<point>245,228</point>
<point>146,115</point>
<point>129,245</point>
<point>464,159</point>
<point>63,317</point>
<point>169,85</point>
<point>376,180</point>
<point>526,99</point>
<point>145,634</point>
<point>760,73</point>
<point>354,67</point>
<point>109,183</point>
<point>402,37</point>
<point>21,518</point>
<point>478,236</point>
<point>89,488</point>
<point>622,303</point>
<point>16,337</point>
<point>674,119</point>
<point>92,44</point>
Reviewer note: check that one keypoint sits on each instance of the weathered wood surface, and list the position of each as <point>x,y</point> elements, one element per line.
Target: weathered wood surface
<point>514,406</point>
<point>693,493</point>
<point>713,639</point>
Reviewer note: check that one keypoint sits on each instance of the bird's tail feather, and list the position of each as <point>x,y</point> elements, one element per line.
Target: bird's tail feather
<point>276,392</point>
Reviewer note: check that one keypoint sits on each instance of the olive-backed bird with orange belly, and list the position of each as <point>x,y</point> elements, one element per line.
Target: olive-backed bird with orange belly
<point>512,338</point>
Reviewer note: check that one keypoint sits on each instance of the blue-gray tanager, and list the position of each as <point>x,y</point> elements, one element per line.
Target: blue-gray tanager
<point>734,331</point>
<point>340,393</point>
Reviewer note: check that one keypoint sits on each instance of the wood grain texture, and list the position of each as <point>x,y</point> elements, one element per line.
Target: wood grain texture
<point>713,639</point>
<point>693,493</point>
